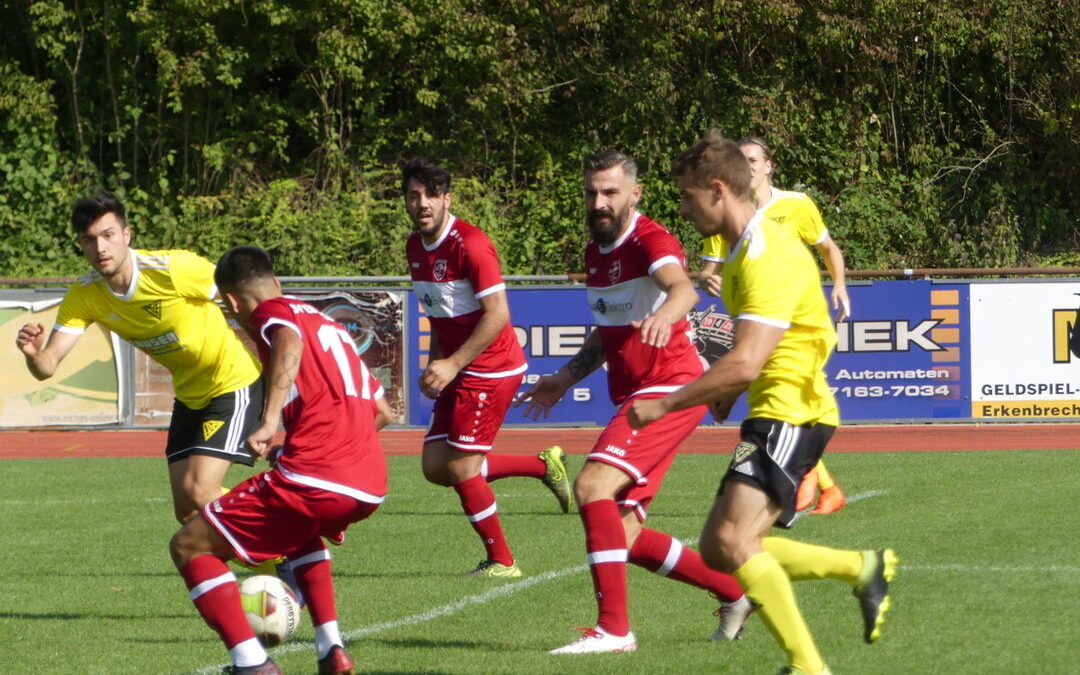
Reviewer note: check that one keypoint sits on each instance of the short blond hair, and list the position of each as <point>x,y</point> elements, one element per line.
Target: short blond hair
<point>715,158</point>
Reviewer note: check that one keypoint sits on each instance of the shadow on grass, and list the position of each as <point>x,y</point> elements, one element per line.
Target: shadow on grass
<point>66,616</point>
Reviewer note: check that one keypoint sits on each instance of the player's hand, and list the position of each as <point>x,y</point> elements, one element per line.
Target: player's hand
<point>543,395</point>
<point>841,304</point>
<point>260,441</point>
<point>721,409</point>
<point>711,284</point>
<point>30,338</point>
<point>645,411</point>
<point>438,374</point>
<point>655,330</point>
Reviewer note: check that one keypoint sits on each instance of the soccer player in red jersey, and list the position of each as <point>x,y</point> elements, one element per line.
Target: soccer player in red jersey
<point>475,363</point>
<point>639,294</point>
<point>330,473</point>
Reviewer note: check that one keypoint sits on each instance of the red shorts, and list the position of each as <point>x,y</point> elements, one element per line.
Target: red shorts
<point>470,411</point>
<point>267,517</point>
<point>644,454</point>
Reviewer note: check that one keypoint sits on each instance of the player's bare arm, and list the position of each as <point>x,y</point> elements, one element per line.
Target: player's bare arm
<point>441,372</point>
<point>42,361</point>
<point>728,377</point>
<point>834,262</point>
<point>549,389</point>
<point>709,278</point>
<point>286,348</point>
<point>681,298</point>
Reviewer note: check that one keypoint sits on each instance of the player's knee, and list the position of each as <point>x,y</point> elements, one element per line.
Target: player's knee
<point>437,475</point>
<point>721,551</point>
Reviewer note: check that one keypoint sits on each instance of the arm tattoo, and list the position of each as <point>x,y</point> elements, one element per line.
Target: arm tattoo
<point>290,365</point>
<point>586,361</point>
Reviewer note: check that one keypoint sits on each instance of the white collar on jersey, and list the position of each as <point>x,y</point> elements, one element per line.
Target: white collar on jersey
<point>618,242</point>
<point>442,237</point>
<point>130,292</point>
<point>747,233</point>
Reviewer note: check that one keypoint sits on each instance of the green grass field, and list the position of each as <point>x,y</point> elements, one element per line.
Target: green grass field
<point>989,579</point>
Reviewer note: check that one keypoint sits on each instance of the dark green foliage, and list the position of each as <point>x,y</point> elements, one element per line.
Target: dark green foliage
<point>941,134</point>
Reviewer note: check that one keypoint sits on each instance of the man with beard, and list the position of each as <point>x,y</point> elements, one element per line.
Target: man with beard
<point>639,294</point>
<point>475,364</point>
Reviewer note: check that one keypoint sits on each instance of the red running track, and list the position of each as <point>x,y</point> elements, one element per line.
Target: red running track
<point>525,440</point>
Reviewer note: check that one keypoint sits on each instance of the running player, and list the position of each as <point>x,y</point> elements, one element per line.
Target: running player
<point>162,302</point>
<point>798,214</point>
<point>475,363</point>
<point>639,294</point>
<point>330,473</point>
<point>783,337</point>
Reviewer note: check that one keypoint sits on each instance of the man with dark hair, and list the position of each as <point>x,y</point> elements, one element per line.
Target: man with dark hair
<point>475,364</point>
<point>796,213</point>
<point>162,302</point>
<point>330,473</point>
<point>639,294</point>
<point>783,337</point>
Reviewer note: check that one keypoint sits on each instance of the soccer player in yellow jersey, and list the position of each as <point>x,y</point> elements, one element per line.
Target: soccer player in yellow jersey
<point>798,214</point>
<point>162,302</point>
<point>783,336</point>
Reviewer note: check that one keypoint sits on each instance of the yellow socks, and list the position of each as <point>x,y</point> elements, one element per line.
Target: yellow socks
<point>824,480</point>
<point>765,583</point>
<point>807,561</point>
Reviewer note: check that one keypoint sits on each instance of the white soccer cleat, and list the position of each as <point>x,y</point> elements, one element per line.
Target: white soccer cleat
<point>597,641</point>
<point>733,616</point>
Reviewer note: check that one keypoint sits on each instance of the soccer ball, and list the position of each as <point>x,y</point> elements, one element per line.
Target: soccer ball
<point>271,608</point>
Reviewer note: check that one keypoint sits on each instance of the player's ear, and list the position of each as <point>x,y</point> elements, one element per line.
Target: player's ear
<point>232,302</point>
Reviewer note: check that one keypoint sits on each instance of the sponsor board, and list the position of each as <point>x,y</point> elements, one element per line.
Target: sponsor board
<point>1021,363</point>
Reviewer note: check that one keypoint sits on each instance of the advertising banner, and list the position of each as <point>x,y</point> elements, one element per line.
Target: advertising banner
<point>903,355</point>
<point>1020,360</point>
<point>86,388</point>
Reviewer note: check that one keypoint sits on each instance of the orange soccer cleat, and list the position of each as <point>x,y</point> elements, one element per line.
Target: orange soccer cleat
<point>832,499</point>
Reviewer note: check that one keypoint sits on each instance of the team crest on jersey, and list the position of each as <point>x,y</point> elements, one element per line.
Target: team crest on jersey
<point>742,451</point>
<point>153,308</point>
<point>439,270</point>
<point>614,271</point>
<point>210,427</point>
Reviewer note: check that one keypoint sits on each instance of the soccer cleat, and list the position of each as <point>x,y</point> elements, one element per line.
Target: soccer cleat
<point>872,590</point>
<point>490,568</point>
<point>556,478</point>
<point>807,491</point>
<point>337,662</point>
<point>597,641</point>
<point>792,670</point>
<point>830,501</point>
<point>267,667</point>
<point>733,616</point>
<point>337,539</point>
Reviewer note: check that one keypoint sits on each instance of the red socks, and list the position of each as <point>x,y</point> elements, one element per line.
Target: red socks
<point>505,466</point>
<point>665,555</point>
<point>311,568</point>
<point>213,589</point>
<point>478,502</point>
<point>605,543</point>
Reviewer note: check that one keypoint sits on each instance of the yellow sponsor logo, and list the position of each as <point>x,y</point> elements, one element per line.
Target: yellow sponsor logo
<point>1019,409</point>
<point>742,451</point>
<point>1063,328</point>
<point>210,427</point>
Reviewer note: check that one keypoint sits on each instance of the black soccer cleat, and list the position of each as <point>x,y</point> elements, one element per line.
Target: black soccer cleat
<point>267,667</point>
<point>873,594</point>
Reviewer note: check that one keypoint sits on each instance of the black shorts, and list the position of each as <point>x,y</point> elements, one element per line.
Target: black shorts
<point>218,430</point>
<point>789,453</point>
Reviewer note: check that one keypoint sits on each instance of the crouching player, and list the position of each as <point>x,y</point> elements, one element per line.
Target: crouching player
<point>331,471</point>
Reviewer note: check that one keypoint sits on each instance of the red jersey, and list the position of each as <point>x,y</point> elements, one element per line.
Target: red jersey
<point>449,278</point>
<point>620,290</point>
<point>329,415</point>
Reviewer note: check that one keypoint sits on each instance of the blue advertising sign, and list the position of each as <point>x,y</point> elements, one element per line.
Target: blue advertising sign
<point>904,354</point>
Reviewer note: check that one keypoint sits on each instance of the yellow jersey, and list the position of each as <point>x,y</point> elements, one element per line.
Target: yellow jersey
<point>795,211</point>
<point>772,278</point>
<point>169,313</point>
